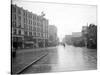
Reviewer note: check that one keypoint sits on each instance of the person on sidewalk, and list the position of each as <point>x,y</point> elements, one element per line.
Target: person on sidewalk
<point>14,50</point>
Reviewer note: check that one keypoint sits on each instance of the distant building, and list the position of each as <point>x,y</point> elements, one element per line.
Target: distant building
<point>74,39</point>
<point>84,34</point>
<point>67,39</point>
<point>52,35</point>
<point>76,34</point>
<point>28,29</point>
<point>84,30</point>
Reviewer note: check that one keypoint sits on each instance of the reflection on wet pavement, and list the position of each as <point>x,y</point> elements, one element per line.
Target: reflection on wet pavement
<point>67,58</point>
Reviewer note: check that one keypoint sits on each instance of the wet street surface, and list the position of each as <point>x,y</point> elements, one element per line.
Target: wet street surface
<point>67,58</point>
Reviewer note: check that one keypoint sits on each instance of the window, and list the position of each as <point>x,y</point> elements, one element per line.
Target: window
<point>19,24</point>
<point>34,17</point>
<point>30,33</point>
<point>14,31</point>
<point>37,29</point>
<point>14,17</point>
<point>26,33</point>
<point>30,15</point>
<point>34,23</point>
<point>13,9</point>
<point>22,32</point>
<point>25,26</point>
<point>24,20</point>
<point>34,28</point>
<point>31,28</point>
<point>19,11</point>
<point>24,13</point>
<point>14,23</point>
<point>41,34</point>
<point>38,34</point>
<point>14,38</point>
<point>37,18</point>
<point>34,34</point>
<point>37,24</point>
<point>19,18</point>
<point>41,29</point>
<point>19,21</point>
<point>31,22</point>
<point>19,32</point>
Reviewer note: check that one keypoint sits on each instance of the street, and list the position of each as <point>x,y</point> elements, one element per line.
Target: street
<point>68,58</point>
<point>52,37</point>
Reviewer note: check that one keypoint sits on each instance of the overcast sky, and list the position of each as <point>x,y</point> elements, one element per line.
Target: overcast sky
<point>67,18</point>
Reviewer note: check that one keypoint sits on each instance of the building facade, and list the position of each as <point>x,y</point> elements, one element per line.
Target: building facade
<point>28,29</point>
<point>84,34</point>
<point>52,35</point>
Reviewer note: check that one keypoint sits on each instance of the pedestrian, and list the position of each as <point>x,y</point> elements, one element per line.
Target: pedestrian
<point>63,44</point>
<point>14,50</point>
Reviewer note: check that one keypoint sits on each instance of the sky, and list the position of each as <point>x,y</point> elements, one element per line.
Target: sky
<point>67,18</point>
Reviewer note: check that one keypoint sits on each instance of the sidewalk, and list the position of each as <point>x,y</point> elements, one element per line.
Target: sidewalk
<point>26,57</point>
<point>37,49</point>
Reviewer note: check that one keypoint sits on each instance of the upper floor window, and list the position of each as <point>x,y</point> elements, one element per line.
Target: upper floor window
<point>30,33</point>
<point>19,18</point>
<point>26,33</point>
<point>41,34</point>
<point>34,34</point>
<point>34,28</point>
<point>34,23</point>
<point>37,18</point>
<point>14,31</point>
<point>14,17</point>
<point>23,13</point>
<point>19,11</point>
<point>19,32</point>
<point>31,22</point>
<point>19,21</point>
<point>24,20</point>
<point>14,23</point>
<point>38,24</point>
<point>13,9</point>
<point>34,17</point>
<point>30,15</point>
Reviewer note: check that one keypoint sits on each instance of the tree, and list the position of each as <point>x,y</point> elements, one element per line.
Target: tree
<point>92,36</point>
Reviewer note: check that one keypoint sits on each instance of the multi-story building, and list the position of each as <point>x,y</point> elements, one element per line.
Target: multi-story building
<point>75,38</point>
<point>76,34</point>
<point>52,35</point>
<point>28,29</point>
<point>84,34</point>
<point>67,39</point>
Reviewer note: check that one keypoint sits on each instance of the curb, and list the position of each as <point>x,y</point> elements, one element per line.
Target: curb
<point>38,49</point>
<point>27,66</point>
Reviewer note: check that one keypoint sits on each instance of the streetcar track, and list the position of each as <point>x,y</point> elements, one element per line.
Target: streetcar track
<point>26,67</point>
